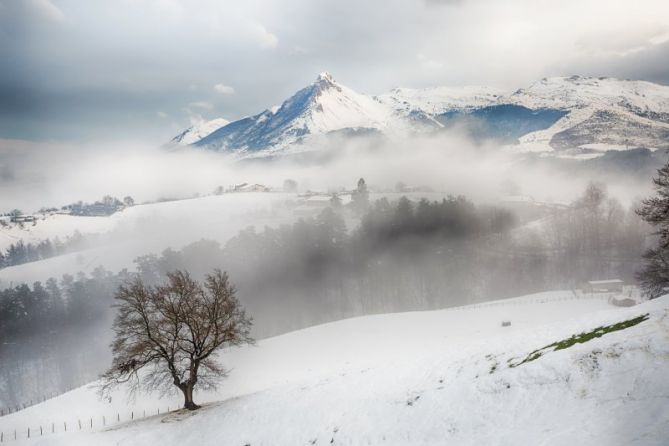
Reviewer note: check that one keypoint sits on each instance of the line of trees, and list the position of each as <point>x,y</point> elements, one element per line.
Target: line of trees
<point>54,335</point>
<point>403,255</point>
<point>20,252</point>
<point>103,207</point>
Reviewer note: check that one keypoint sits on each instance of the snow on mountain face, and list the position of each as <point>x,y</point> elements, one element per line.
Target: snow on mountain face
<point>440,100</point>
<point>604,114</point>
<point>557,115</point>
<point>199,131</point>
<point>322,107</point>
<point>578,91</point>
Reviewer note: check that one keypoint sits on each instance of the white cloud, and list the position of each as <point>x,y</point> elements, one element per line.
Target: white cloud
<point>161,114</point>
<point>201,104</point>
<point>224,89</point>
<point>265,38</point>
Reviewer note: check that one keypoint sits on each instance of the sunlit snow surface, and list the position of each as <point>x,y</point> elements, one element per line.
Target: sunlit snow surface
<point>419,378</point>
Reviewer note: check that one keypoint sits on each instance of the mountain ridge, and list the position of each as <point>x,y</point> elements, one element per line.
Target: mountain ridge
<point>591,115</point>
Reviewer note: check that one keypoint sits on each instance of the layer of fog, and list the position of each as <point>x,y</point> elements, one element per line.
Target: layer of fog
<point>35,175</point>
<point>411,271</point>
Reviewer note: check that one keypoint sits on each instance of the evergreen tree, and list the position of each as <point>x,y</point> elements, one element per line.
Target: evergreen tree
<point>361,197</point>
<point>654,277</point>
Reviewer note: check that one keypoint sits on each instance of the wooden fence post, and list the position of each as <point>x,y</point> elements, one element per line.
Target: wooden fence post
<point>104,422</point>
<point>65,425</point>
<point>79,421</point>
<point>91,422</point>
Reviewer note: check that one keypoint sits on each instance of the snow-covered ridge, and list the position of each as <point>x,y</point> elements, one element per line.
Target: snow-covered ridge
<point>419,378</point>
<point>439,100</point>
<point>601,113</point>
<point>322,107</point>
<point>200,130</point>
<point>578,91</point>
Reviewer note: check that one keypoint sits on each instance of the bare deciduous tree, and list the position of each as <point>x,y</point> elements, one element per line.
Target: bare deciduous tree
<point>168,335</point>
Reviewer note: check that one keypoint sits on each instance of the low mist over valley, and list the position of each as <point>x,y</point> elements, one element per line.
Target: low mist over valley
<point>207,238</point>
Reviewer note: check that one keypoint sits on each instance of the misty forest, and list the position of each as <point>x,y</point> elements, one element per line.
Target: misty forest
<point>363,223</point>
<point>371,256</point>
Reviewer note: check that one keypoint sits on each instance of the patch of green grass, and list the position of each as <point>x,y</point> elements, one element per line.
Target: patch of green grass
<point>581,338</point>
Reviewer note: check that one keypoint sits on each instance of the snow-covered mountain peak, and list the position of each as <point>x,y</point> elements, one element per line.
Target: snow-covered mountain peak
<point>554,113</point>
<point>325,76</point>
<point>584,91</point>
<point>323,106</point>
<point>199,130</point>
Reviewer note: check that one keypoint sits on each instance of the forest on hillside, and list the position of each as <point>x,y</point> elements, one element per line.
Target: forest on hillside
<point>402,255</point>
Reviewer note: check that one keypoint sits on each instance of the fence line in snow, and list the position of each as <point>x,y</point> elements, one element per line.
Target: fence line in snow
<point>89,423</point>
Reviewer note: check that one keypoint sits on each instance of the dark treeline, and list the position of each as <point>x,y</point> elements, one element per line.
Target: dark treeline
<point>19,253</point>
<point>401,256</point>
<point>407,255</point>
<point>104,207</point>
<point>53,335</point>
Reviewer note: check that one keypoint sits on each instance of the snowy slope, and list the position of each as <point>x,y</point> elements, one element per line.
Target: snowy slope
<point>604,113</point>
<point>439,100</point>
<point>419,378</point>
<point>199,131</point>
<point>140,230</point>
<point>580,91</point>
<point>322,107</point>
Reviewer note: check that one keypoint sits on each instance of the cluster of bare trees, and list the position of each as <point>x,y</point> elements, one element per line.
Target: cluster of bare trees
<point>594,237</point>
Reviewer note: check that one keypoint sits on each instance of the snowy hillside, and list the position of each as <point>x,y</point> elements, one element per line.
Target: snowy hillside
<point>133,232</point>
<point>422,378</point>
<point>199,131</point>
<point>322,107</point>
<point>559,115</point>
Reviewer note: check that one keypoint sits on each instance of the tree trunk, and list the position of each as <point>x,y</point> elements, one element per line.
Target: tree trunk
<point>187,390</point>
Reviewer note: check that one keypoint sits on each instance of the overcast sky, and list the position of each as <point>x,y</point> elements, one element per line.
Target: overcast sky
<point>142,70</point>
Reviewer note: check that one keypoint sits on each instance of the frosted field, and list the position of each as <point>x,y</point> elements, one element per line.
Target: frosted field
<point>419,378</point>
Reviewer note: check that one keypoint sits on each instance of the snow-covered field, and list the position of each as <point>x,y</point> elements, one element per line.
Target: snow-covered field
<point>419,378</point>
<point>141,230</point>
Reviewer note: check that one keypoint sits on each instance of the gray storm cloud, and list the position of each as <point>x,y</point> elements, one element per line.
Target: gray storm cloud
<point>85,71</point>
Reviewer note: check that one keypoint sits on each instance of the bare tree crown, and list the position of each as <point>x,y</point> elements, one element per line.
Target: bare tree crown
<point>171,332</point>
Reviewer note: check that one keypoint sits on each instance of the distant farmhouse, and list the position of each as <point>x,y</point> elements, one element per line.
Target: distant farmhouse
<point>23,218</point>
<point>246,187</point>
<point>605,286</point>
